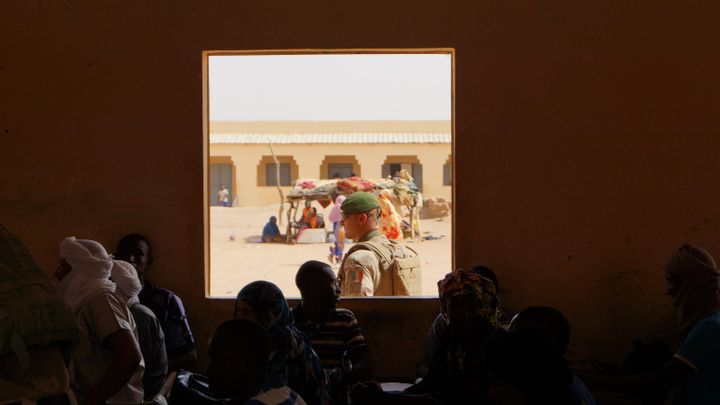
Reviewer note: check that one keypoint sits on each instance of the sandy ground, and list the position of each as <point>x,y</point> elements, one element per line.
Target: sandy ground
<point>234,263</point>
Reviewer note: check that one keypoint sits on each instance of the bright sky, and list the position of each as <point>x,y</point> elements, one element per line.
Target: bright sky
<point>330,87</point>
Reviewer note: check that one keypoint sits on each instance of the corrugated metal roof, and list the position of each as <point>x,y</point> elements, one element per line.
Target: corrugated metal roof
<point>329,138</point>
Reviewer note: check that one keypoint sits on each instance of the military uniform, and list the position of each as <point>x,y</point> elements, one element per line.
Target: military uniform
<point>361,274</point>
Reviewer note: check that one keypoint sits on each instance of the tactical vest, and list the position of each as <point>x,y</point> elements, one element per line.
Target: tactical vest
<point>399,267</point>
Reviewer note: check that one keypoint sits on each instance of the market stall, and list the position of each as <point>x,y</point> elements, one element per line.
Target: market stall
<point>398,198</point>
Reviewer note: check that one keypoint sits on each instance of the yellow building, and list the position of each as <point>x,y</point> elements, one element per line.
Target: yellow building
<point>241,157</point>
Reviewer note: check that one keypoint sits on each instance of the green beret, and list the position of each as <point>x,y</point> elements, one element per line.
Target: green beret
<point>359,202</point>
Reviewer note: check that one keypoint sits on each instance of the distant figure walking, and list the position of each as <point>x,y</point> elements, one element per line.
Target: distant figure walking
<point>336,251</point>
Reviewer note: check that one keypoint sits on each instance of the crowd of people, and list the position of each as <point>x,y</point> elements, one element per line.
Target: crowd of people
<point>131,333</point>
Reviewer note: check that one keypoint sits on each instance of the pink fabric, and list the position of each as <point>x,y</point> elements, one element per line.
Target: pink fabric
<point>335,211</point>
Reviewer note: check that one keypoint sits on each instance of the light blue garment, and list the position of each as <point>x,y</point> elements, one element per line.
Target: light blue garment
<point>701,350</point>
<point>581,392</point>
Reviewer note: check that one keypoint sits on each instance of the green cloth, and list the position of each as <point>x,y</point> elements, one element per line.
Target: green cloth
<point>359,202</point>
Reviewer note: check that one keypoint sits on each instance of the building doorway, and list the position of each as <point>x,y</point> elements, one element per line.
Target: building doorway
<point>221,174</point>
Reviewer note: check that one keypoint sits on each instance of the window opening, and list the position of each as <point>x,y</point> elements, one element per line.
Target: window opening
<point>317,119</point>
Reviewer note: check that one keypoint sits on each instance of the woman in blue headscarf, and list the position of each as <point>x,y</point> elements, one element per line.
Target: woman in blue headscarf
<point>292,360</point>
<point>271,232</point>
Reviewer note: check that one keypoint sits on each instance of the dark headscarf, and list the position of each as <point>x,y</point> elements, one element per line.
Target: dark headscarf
<point>292,361</point>
<point>271,229</point>
<point>699,279</point>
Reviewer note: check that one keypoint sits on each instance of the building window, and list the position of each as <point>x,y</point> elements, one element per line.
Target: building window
<point>339,167</point>
<point>266,173</point>
<point>447,172</point>
<point>222,173</point>
<point>394,164</point>
<point>340,170</point>
<point>271,174</point>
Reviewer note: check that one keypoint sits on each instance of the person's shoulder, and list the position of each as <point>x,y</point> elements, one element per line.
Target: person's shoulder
<point>279,395</point>
<point>710,323</point>
<point>344,315</point>
<point>159,293</point>
<point>362,256</point>
<point>150,288</point>
<point>103,298</point>
<point>141,311</point>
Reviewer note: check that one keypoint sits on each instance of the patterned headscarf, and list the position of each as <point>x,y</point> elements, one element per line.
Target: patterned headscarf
<point>292,360</point>
<point>699,276</point>
<point>468,282</point>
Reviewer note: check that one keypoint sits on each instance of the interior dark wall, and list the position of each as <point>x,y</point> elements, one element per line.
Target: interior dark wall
<point>586,140</point>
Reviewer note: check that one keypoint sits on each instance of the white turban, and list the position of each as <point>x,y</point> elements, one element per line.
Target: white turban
<point>90,273</point>
<point>125,277</point>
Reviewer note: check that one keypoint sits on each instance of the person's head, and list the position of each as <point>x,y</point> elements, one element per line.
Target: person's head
<point>273,219</point>
<point>85,257</point>
<point>487,273</point>
<point>694,282</point>
<point>308,203</point>
<point>548,321</point>
<point>84,268</point>
<point>264,303</point>
<point>691,265</point>
<point>126,279</point>
<point>467,300</point>
<point>526,368</point>
<point>238,355</point>
<point>360,214</point>
<point>318,286</point>
<point>136,250</point>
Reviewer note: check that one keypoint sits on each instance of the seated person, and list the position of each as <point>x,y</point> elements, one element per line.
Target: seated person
<point>292,362</point>
<point>309,216</point>
<point>107,365</point>
<point>333,332</point>
<point>35,313</point>
<point>457,373</point>
<point>556,328</point>
<point>693,281</point>
<point>440,324</point>
<point>526,368</point>
<point>150,334</point>
<point>238,354</point>
<point>271,232</point>
<point>167,307</point>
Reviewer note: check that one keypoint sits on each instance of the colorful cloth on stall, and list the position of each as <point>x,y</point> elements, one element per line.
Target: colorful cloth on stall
<point>390,220</point>
<point>353,184</point>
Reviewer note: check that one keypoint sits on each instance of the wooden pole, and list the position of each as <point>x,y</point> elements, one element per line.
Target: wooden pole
<point>277,183</point>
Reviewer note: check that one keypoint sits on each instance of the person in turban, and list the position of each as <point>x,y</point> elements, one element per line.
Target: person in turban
<point>107,365</point>
<point>693,373</point>
<point>457,372</point>
<point>150,335</point>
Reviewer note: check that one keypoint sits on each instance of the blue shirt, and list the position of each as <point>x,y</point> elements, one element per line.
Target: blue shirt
<point>581,392</point>
<point>701,351</point>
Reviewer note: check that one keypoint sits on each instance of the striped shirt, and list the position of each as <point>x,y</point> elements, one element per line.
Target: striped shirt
<point>339,334</point>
